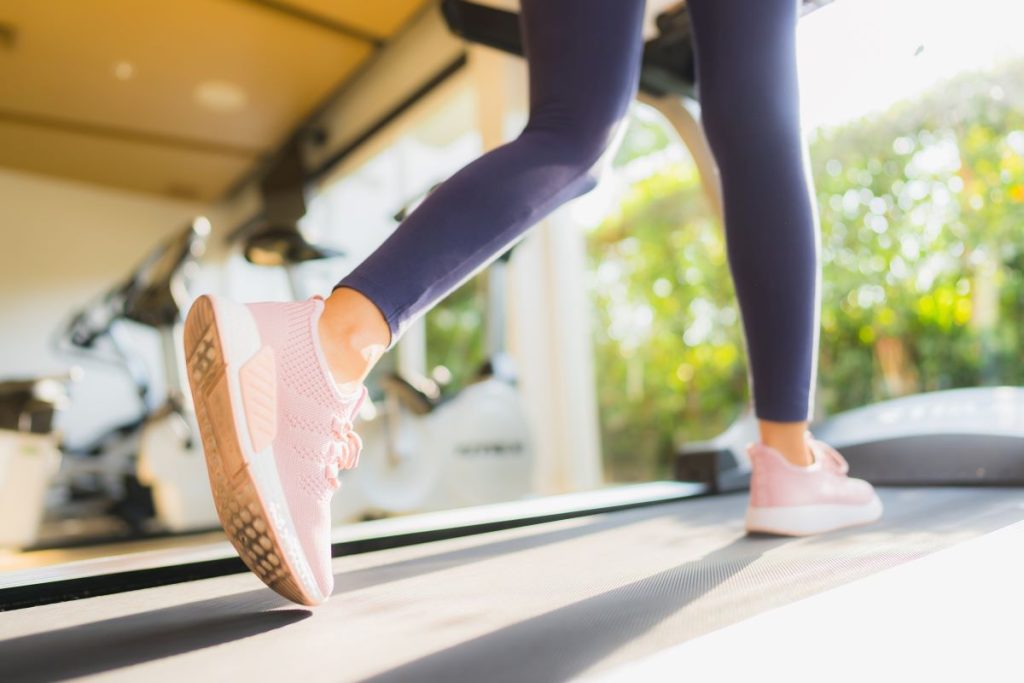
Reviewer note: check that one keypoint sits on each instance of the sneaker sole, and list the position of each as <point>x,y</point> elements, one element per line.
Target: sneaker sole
<point>805,520</point>
<point>246,492</point>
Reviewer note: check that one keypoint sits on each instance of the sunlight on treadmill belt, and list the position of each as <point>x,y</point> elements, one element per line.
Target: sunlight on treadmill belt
<point>547,602</point>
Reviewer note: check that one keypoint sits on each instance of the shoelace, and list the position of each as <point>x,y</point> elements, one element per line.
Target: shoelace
<point>342,451</point>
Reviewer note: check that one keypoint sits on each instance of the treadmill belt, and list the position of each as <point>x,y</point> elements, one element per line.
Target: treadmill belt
<point>543,603</point>
<point>951,616</point>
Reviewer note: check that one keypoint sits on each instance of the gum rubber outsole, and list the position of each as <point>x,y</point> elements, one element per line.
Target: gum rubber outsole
<point>242,511</point>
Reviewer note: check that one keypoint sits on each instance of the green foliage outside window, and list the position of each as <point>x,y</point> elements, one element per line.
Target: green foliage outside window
<point>922,214</point>
<point>456,335</point>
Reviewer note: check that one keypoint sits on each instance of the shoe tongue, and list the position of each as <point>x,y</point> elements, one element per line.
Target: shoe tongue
<point>828,457</point>
<point>350,402</point>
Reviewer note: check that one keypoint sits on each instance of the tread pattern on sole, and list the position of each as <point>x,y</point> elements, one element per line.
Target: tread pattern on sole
<point>239,505</point>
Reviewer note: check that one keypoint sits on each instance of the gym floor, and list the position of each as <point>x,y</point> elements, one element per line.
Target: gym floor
<point>554,601</point>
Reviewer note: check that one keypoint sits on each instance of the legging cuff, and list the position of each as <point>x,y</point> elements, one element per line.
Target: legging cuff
<point>777,411</point>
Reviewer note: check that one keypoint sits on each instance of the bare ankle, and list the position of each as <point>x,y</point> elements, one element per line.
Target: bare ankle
<point>353,335</point>
<point>789,439</point>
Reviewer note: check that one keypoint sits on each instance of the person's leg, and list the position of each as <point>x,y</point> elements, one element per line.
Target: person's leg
<point>277,385</point>
<point>584,58</point>
<point>747,75</point>
<point>747,79</point>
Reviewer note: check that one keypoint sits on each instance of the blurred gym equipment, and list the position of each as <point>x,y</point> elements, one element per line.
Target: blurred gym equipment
<point>150,467</point>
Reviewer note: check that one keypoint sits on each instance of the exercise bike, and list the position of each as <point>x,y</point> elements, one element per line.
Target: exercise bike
<point>471,447</point>
<point>152,466</point>
<point>29,453</point>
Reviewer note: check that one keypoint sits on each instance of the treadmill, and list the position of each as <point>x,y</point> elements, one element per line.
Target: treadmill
<point>914,440</point>
<point>633,583</point>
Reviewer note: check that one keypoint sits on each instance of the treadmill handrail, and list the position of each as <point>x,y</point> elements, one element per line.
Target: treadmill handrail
<point>668,62</point>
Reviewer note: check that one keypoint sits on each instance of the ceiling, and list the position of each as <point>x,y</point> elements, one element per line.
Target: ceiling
<point>175,98</point>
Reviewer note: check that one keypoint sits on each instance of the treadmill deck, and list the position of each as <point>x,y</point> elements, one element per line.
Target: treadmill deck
<point>542,603</point>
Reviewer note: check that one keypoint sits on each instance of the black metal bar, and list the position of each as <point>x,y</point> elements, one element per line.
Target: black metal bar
<point>334,159</point>
<point>668,66</point>
<point>440,77</point>
<point>484,25</point>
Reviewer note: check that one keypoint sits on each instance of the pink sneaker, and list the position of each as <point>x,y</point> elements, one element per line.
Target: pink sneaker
<point>275,430</point>
<point>799,501</point>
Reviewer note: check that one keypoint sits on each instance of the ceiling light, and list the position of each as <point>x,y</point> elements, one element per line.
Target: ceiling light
<point>201,225</point>
<point>221,96</point>
<point>124,71</point>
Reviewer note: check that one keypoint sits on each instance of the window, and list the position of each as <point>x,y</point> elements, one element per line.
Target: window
<point>668,345</point>
<point>357,213</point>
<point>916,128</point>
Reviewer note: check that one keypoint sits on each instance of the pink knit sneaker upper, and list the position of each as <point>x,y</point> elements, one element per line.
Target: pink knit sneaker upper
<point>775,482</point>
<point>312,436</point>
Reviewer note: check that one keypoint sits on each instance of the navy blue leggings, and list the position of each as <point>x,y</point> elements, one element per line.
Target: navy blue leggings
<point>584,58</point>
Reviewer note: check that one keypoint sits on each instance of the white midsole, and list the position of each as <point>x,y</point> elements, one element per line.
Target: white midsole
<point>800,520</point>
<point>239,346</point>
